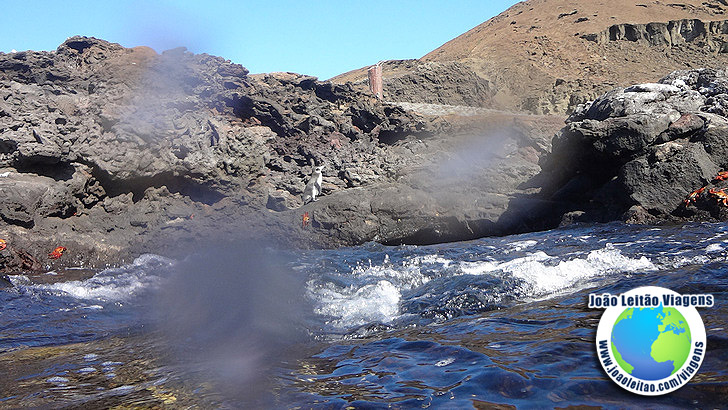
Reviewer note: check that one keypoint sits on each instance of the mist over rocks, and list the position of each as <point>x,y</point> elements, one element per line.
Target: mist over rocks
<point>112,152</point>
<point>635,153</point>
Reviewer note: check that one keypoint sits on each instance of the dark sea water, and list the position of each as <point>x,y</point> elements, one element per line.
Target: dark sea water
<point>486,323</point>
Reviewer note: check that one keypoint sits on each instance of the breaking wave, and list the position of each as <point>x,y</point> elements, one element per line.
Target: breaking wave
<point>432,286</point>
<point>544,275</point>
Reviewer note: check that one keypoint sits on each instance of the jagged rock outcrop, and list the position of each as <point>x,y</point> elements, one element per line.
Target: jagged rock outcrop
<point>111,142</point>
<point>194,123</point>
<point>712,35</point>
<point>636,153</point>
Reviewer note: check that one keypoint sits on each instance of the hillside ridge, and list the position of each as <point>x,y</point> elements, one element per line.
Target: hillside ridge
<point>548,56</point>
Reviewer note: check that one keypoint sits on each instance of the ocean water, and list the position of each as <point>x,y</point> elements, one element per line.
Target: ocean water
<point>491,322</point>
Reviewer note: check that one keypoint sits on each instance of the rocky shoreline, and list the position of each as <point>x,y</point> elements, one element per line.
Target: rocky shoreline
<point>114,152</point>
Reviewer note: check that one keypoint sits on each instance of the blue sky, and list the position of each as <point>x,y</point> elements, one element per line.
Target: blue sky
<point>322,38</point>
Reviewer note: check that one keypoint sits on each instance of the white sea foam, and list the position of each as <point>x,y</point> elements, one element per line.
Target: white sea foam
<point>520,245</point>
<point>377,295</point>
<point>487,266</point>
<point>680,261</point>
<point>544,279</point>
<point>431,259</point>
<point>105,288</point>
<point>114,284</point>
<point>406,275</point>
<point>19,280</point>
<point>377,291</point>
<point>445,362</point>
<point>714,247</point>
<point>543,274</point>
<point>378,302</point>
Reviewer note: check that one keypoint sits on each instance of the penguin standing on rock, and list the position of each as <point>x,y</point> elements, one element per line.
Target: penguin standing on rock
<point>313,188</point>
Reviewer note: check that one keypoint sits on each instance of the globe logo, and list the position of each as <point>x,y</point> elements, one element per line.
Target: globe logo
<point>650,340</point>
<point>651,344</point>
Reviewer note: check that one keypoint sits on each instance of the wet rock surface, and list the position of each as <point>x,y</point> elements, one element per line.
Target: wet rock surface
<point>113,152</point>
<point>636,153</point>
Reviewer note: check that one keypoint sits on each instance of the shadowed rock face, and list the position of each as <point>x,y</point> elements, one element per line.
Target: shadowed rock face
<point>453,187</point>
<point>635,153</point>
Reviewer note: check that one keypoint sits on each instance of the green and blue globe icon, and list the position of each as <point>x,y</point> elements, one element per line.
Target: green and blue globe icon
<point>651,343</point>
<point>651,340</point>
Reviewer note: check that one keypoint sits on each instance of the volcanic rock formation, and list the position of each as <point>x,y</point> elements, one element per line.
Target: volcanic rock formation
<point>636,153</point>
<point>111,151</point>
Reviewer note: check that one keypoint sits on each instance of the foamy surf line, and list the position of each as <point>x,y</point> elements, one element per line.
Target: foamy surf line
<point>377,302</point>
<point>544,275</point>
<point>377,295</point>
<point>112,284</point>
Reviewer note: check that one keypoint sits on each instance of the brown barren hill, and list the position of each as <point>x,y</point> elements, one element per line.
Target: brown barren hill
<point>547,56</point>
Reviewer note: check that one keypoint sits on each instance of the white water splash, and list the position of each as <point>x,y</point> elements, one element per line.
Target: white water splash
<point>545,279</point>
<point>114,284</point>
<point>377,294</point>
<point>715,247</point>
<point>377,302</point>
<point>520,245</point>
